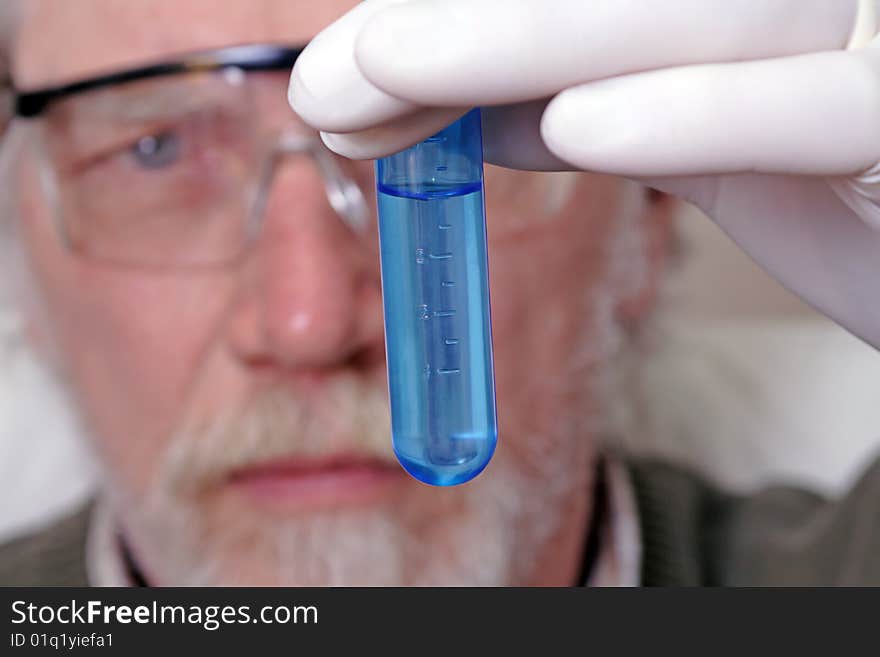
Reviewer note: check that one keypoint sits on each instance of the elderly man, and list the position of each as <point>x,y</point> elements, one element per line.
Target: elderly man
<point>195,265</point>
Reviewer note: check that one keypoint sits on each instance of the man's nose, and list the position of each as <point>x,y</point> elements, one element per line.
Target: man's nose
<point>310,294</point>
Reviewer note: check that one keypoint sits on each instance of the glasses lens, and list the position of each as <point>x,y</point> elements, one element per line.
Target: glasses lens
<point>156,172</point>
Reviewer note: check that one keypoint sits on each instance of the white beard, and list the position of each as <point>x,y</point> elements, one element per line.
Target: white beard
<point>487,533</point>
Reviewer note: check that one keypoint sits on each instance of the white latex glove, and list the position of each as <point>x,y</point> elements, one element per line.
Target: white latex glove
<point>764,113</point>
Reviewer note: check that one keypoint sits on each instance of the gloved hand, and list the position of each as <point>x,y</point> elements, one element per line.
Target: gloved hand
<point>765,114</point>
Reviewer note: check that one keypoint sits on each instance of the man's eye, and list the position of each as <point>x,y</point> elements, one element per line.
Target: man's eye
<point>156,151</point>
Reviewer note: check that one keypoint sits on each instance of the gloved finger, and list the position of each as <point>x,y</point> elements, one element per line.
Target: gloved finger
<point>489,52</point>
<point>389,138</point>
<point>328,90</point>
<point>816,114</point>
<point>511,136</point>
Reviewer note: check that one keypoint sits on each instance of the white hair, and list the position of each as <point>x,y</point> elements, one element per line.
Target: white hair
<point>10,249</point>
<point>34,403</point>
<point>8,19</point>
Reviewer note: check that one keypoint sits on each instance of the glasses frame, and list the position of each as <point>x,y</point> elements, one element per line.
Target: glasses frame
<point>343,193</point>
<point>30,104</point>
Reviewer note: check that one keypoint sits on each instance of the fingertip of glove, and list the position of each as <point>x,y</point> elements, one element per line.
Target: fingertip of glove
<point>556,131</point>
<point>592,127</point>
<point>317,89</point>
<point>328,90</point>
<point>406,50</point>
<point>343,145</point>
<point>299,98</point>
<point>377,45</point>
<point>366,145</point>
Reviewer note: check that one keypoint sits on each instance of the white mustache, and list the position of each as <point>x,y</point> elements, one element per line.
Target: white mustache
<point>350,418</point>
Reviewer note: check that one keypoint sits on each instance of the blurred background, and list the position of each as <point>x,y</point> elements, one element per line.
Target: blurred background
<point>749,385</point>
<point>744,383</point>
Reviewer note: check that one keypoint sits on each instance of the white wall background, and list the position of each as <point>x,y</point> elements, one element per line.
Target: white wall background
<point>44,469</point>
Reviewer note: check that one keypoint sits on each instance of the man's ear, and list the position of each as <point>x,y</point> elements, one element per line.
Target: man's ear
<point>659,239</point>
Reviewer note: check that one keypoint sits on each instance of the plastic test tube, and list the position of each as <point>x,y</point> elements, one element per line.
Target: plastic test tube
<point>438,337</point>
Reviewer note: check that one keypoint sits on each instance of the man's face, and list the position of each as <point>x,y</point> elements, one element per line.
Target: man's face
<point>241,411</point>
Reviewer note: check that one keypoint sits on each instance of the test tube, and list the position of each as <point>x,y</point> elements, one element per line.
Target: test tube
<point>435,289</point>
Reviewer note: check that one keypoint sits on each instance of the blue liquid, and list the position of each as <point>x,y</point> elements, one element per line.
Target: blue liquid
<point>437,329</point>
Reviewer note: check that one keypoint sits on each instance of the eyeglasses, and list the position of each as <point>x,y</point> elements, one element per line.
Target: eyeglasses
<point>170,165</point>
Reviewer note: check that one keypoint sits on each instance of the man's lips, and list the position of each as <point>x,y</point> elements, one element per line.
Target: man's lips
<point>305,484</point>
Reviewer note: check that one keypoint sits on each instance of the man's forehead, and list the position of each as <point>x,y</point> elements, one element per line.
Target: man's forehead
<point>61,41</point>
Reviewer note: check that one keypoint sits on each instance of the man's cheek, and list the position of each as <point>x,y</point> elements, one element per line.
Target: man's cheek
<point>138,352</point>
